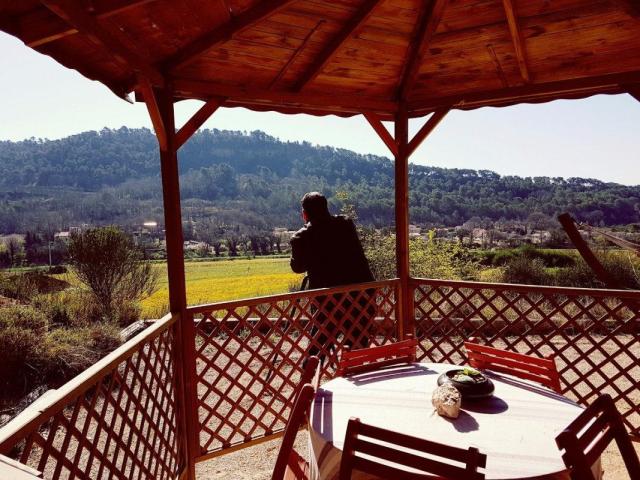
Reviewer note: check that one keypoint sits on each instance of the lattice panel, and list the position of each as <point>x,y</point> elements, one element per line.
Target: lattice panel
<point>125,426</point>
<point>249,356</point>
<point>593,333</point>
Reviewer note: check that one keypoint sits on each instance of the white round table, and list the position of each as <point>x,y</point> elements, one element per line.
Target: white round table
<point>516,427</point>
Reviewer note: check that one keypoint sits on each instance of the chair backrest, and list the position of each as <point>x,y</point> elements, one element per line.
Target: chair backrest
<point>367,359</point>
<point>310,374</point>
<point>541,370</point>
<point>456,464</point>
<point>296,419</point>
<point>583,446</point>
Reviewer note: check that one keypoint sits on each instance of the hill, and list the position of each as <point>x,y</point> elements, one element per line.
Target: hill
<point>252,180</point>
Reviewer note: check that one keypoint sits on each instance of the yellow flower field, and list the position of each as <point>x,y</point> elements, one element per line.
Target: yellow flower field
<point>225,280</point>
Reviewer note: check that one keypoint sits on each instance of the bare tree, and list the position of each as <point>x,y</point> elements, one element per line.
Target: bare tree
<point>109,264</point>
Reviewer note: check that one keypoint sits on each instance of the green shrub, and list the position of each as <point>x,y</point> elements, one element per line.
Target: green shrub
<point>623,268</point>
<point>70,308</point>
<point>22,329</point>
<point>526,271</point>
<point>430,257</point>
<point>69,351</point>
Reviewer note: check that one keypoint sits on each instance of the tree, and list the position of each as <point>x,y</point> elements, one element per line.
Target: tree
<point>109,264</point>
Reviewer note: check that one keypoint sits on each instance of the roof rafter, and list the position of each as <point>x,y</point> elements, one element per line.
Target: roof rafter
<point>632,7</point>
<point>428,20</point>
<point>295,55</point>
<point>71,12</point>
<point>356,21</point>
<point>37,28</point>
<point>223,33</point>
<point>516,38</point>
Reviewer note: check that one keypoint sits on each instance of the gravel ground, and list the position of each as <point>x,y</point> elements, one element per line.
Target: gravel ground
<point>256,463</point>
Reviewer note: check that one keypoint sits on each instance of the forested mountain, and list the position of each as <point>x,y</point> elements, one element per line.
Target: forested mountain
<point>255,181</point>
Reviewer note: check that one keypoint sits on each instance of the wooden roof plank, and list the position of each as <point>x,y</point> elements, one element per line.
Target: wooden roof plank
<point>221,34</point>
<point>70,12</point>
<point>334,45</point>
<point>516,38</point>
<point>427,24</point>
<point>37,28</point>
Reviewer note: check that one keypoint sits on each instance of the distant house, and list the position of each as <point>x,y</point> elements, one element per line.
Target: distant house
<point>62,236</point>
<point>414,231</point>
<point>192,245</point>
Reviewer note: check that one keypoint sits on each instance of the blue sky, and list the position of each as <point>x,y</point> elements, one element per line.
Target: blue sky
<point>597,137</point>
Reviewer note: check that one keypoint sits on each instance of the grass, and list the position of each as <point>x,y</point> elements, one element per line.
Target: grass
<point>215,281</point>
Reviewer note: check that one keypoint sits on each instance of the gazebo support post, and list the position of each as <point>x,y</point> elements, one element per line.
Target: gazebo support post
<point>160,106</point>
<point>405,308</point>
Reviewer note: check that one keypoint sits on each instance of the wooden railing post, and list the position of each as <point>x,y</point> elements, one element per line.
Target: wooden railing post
<point>160,105</point>
<point>405,309</point>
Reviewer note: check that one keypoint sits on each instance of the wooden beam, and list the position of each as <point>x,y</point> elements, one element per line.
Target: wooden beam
<point>382,132</point>
<point>405,310</point>
<point>74,14</point>
<point>540,92</point>
<point>426,129</point>
<point>40,26</point>
<point>631,7</point>
<point>223,33</point>
<point>516,38</point>
<point>635,92</point>
<point>585,252</point>
<point>157,119</point>
<point>352,104</point>
<point>324,57</point>
<point>295,55</point>
<point>499,70</point>
<point>428,20</point>
<point>196,121</point>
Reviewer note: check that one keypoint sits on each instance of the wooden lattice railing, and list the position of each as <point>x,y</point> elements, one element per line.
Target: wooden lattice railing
<point>249,354</point>
<point>593,333</point>
<point>118,419</point>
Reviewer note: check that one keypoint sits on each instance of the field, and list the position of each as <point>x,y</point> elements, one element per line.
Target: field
<point>224,280</point>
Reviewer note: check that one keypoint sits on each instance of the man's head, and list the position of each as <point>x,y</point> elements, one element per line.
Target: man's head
<point>314,206</point>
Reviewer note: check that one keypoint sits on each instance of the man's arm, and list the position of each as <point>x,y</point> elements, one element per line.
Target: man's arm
<point>298,261</point>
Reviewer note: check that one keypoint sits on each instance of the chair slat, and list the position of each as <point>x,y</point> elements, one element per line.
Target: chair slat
<point>296,419</point>
<point>394,450</point>
<point>541,370</point>
<point>355,361</point>
<point>583,446</point>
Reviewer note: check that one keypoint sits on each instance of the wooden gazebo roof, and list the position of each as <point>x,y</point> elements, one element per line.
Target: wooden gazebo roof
<point>343,56</point>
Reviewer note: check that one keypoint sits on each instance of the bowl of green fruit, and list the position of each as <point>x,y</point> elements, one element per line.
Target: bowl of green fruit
<point>471,383</point>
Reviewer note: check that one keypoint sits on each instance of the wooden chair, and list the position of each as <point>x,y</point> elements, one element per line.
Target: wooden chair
<point>541,370</point>
<point>290,465</point>
<point>583,446</point>
<point>310,373</point>
<point>372,358</point>
<point>468,460</point>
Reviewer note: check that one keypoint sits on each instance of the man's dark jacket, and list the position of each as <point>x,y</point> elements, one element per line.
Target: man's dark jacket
<point>330,252</point>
